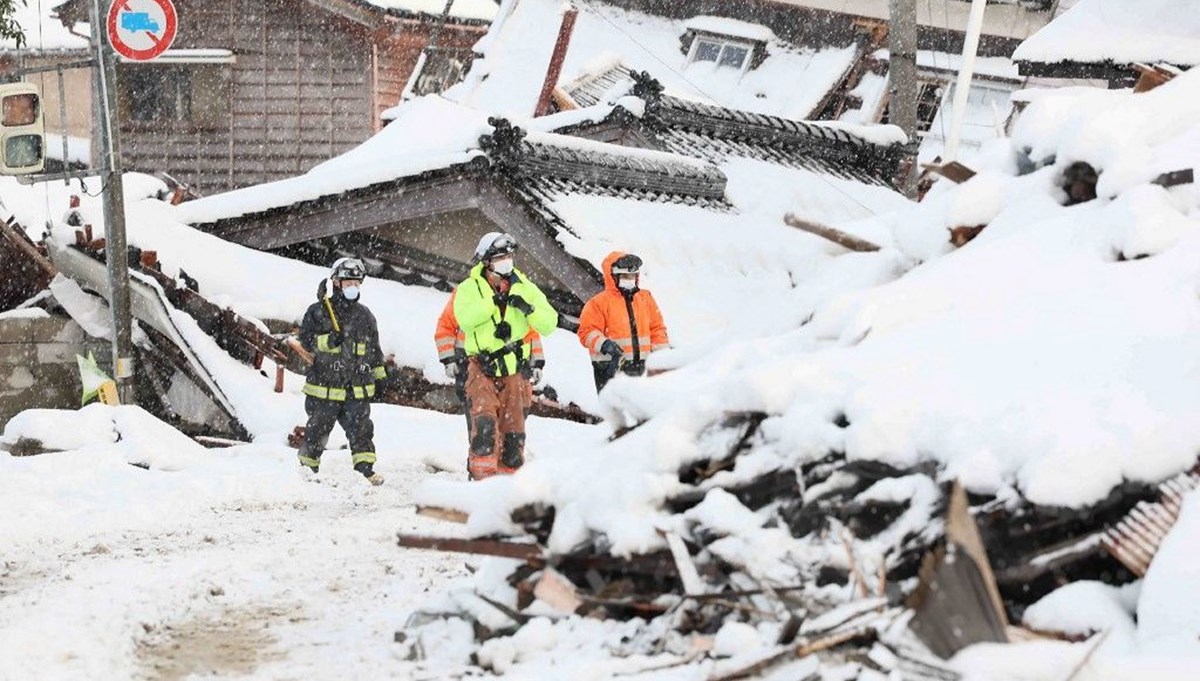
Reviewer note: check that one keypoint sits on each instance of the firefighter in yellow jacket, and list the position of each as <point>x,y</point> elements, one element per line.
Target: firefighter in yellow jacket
<point>496,306</point>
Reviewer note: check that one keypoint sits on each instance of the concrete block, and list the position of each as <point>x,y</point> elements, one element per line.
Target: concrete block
<point>44,329</point>
<point>19,378</point>
<point>16,331</point>
<point>57,330</point>
<point>19,354</point>
<point>58,353</point>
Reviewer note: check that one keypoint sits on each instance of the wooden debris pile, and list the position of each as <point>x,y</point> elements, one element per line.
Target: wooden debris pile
<point>958,568</point>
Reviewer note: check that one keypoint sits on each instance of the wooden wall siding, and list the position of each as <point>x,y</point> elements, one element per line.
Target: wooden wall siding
<point>398,54</point>
<point>298,94</point>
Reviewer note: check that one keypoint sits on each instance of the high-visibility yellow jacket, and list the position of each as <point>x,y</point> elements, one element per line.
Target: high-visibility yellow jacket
<point>479,309</point>
<point>612,315</point>
<point>450,340</point>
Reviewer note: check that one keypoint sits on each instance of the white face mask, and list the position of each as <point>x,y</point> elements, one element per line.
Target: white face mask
<point>504,266</point>
<point>627,283</point>
<point>351,292</point>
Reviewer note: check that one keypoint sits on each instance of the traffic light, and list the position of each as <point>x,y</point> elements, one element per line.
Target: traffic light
<point>22,134</point>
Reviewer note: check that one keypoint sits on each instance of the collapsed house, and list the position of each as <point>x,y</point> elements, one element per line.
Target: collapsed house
<point>914,468</point>
<point>790,60</point>
<point>571,188</point>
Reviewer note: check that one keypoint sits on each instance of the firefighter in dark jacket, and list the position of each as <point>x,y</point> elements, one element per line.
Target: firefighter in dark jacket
<point>347,361</point>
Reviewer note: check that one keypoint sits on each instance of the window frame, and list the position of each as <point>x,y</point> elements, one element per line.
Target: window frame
<point>184,113</point>
<point>724,43</point>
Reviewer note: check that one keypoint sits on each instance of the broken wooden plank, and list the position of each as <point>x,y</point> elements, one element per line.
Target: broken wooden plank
<point>961,236</point>
<point>957,601</point>
<point>837,236</point>
<point>692,584</point>
<point>803,648</point>
<point>1175,178</point>
<point>557,591</point>
<point>1150,77</point>
<point>479,547</point>
<point>438,513</point>
<point>953,171</point>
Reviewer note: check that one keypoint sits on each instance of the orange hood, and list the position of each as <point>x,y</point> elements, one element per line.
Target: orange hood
<point>610,282</point>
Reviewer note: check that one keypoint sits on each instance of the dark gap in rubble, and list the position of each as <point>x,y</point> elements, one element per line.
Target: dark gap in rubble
<point>746,424</point>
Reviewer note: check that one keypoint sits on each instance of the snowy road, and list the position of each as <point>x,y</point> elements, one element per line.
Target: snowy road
<point>311,586</point>
<point>232,566</point>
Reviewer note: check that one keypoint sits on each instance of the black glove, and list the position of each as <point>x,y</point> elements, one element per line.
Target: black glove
<point>335,339</point>
<point>610,348</point>
<point>519,303</point>
<point>503,331</point>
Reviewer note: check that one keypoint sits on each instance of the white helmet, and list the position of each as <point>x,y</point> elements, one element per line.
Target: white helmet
<point>348,268</point>
<point>493,244</point>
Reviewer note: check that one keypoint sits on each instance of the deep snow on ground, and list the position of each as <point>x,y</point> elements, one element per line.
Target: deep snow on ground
<point>219,560</point>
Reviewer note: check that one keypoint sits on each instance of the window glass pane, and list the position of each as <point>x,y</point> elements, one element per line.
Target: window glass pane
<point>144,85</point>
<point>22,151</point>
<point>734,56</point>
<point>181,91</point>
<point>707,50</point>
<point>20,109</point>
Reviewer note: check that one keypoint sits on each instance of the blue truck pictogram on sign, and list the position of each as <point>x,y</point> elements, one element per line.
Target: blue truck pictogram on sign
<point>138,21</point>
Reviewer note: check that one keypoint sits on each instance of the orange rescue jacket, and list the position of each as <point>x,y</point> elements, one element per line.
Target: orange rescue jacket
<point>449,338</point>
<point>610,316</point>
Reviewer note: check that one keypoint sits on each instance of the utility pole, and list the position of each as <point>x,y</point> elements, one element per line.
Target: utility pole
<point>902,78</point>
<point>962,88</point>
<point>104,93</point>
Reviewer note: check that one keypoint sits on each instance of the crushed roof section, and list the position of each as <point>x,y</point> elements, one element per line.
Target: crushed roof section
<point>791,80</point>
<point>717,133</point>
<point>869,154</point>
<point>584,166</point>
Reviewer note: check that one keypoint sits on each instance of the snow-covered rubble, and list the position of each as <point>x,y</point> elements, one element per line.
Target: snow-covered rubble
<point>1046,364</point>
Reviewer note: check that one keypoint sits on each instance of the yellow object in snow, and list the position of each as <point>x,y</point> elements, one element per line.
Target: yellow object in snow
<point>96,384</point>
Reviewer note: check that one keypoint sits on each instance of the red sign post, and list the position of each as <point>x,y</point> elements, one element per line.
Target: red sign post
<point>141,29</point>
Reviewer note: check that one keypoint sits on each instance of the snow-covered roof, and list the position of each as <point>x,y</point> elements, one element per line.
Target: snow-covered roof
<point>733,28</point>
<point>691,136</point>
<point>43,31</point>
<point>790,82</point>
<point>480,10</point>
<point>402,149</point>
<point>1118,31</point>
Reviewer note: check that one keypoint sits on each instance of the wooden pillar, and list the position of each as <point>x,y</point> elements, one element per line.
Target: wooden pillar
<point>556,61</point>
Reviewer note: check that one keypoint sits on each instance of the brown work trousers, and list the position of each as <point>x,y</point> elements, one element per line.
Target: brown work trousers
<point>496,409</point>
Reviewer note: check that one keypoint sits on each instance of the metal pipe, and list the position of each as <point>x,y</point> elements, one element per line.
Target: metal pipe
<point>962,88</point>
<point>104,84</point>
<point>62,121</point>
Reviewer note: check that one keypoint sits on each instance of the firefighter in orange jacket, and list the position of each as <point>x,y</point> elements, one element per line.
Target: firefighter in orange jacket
<point>622,325</point>
<point>449,340</point>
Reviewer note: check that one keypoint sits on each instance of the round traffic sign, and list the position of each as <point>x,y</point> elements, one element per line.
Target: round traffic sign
<point>141,29</point>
